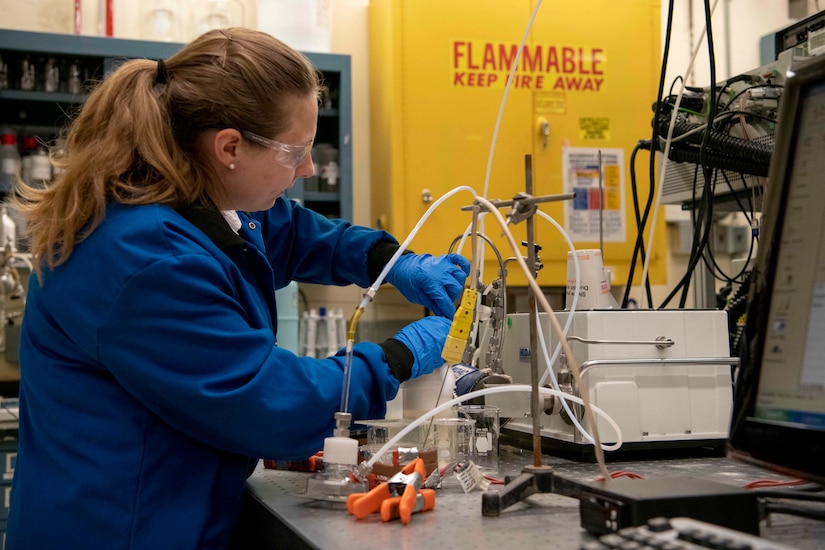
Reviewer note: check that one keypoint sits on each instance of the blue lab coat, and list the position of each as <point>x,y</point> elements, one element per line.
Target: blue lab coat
<point>151,380</point>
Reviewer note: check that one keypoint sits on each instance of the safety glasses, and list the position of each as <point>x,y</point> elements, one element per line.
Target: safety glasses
<point>290,156</point>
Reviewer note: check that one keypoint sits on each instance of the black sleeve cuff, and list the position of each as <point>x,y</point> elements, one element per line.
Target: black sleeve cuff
<point>379,255</point>
<point>399,358</point>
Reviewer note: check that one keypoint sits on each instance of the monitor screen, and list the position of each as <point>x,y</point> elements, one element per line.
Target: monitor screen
<point>779,410</point>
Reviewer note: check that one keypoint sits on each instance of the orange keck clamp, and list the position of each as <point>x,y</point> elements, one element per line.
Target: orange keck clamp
<point>399,497</point>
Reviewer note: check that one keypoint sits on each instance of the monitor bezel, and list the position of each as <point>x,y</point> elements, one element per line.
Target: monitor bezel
<point>777,446</point>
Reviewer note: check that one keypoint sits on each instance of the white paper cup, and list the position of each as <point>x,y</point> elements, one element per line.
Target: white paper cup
<point>594,290</point>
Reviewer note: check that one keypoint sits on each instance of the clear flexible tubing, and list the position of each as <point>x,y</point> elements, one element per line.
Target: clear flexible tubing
<point>488,172</point>
<point>373,289</point>
<point>551,361</point>
<point>663,171</point>
<point>368,296</point>
<point>539,295</point>
<point>500,115</point>
<point>573,307</point>
<point>564,404</point>
<point>488,391</point>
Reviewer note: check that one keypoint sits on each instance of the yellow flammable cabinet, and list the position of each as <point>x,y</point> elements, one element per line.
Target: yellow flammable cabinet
<point>580,100</point>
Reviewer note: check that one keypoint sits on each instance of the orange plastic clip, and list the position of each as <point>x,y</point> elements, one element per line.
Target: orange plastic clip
<point>401,491</point>
<point>391,508</point>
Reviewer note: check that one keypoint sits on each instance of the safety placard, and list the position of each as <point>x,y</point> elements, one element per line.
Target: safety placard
<point>596,176</point>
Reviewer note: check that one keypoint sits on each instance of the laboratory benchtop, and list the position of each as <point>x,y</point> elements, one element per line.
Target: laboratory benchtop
<point>277,516</point>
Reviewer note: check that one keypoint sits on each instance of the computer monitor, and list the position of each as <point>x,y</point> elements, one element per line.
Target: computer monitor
<point>779,402</point>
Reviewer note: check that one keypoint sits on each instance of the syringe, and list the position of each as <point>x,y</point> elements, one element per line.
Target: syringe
<point>341,429</point>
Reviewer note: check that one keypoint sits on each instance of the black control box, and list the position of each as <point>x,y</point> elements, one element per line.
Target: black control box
<point>607,506</point>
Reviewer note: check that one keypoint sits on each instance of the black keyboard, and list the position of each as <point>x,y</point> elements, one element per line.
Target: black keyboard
<point>681,534</point>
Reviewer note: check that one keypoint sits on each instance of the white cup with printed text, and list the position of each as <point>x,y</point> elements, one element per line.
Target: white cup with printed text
<point>594,290</point>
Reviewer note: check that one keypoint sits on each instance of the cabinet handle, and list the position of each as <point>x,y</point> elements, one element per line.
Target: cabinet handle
<point>544,131</point>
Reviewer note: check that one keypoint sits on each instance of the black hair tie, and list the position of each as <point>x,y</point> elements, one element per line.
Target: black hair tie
<point>161,77</point>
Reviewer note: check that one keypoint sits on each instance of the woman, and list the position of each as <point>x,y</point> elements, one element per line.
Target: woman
<point>151,380</point>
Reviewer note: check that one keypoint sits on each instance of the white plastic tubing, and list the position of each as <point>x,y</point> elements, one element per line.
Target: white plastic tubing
<point>487,391</point>
<point>539,296</point>
<point>552,361</point>
<point>370,293</point>
<point>666,152</point>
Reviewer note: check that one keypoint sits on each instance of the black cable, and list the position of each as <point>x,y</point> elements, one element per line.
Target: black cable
<point>716,160</point>
<point>672,84</point>
<point>703,223</point>
<point>706,171</point>
<point>748,215</point>
<point>709,257</point>
<point>749,88</point>
<point>698,239</point>
<point>724,143</point>
<point>639,245</point>
<point>750,203</point>
<point>639,248</point>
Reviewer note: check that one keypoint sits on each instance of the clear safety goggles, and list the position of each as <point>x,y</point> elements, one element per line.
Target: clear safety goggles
<point>290,156</point>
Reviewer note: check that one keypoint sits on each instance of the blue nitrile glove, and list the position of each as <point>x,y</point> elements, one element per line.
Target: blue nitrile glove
<point>435,282</point>
<point>416,349</point>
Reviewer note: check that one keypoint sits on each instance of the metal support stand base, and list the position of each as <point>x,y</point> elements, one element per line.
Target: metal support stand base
<point>533,479</point>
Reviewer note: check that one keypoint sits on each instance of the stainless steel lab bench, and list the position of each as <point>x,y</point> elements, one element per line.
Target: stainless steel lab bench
<point>276,516</point>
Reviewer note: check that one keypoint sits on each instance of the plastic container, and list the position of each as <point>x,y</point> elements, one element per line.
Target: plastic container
<point>9,162</point>
<point>163,20</point>
<point>287,300</point>
<point>40,174</point>
<point>215,14</point>
<point>9,230</point>
<point>426,392</point>
<point>306,25</point>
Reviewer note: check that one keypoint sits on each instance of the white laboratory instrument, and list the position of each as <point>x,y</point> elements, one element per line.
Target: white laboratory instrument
<point>663,375</point>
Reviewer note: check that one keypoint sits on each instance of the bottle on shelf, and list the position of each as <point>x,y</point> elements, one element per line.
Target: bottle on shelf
<point>74,79</point>
<point>27,150</point>
<point>9,161</point>
<point>8,232</point>
<point>28,74</point>
<point>4,74</point>
<point>41,167</point>
<point>51,75</point>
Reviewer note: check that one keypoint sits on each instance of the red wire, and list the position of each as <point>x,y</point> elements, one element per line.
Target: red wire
<point>620,473</point>
<point>773,483</point>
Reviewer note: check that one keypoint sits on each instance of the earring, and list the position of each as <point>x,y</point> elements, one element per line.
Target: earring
<point>231,165</point>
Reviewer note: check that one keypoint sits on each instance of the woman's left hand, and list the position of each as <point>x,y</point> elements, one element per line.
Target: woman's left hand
<point>435,282</point>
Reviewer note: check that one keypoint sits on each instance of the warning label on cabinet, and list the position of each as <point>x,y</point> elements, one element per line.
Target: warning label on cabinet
<point>596,176</point>
<point>558,68</point>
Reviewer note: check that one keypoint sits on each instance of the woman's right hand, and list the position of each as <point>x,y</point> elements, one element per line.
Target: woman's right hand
<point>425,339</point>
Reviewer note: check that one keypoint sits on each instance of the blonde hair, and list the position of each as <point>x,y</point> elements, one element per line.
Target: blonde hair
<point>135,141</point>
